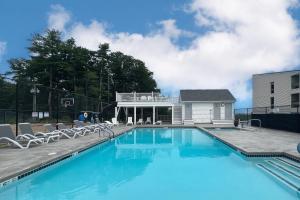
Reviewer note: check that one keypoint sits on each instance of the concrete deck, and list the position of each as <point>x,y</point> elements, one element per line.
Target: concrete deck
<point>261,141</point>
<point>14,162</point>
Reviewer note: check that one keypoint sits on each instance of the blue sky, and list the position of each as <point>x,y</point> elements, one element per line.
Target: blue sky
<point>186,43</point>
<point>20,19</point>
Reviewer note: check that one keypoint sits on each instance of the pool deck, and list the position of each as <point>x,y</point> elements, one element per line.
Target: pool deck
<point>15,162</point>
<point>260,142</point>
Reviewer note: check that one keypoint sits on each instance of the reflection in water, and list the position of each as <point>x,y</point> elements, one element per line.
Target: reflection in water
<point>188,142</point>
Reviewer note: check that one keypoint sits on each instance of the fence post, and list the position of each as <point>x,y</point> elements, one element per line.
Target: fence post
<point>17,107</point>
<point>4,117</point>
<point>57,108</point>
<point>247,114</point>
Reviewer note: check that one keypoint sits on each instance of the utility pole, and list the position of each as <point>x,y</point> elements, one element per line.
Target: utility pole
<point>34,91</point>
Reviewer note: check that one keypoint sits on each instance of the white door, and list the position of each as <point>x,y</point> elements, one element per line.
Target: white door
<point>188,111</point>
<point>202,112</point>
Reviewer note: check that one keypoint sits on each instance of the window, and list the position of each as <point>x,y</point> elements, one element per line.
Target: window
<point>272,102</point>
<point>295,100</point>
<point>272,87</point>
<point>295,81</point>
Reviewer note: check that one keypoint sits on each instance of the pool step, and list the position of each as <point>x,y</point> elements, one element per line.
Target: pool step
<point>286,168</point>
<point>284,175</point>
<point>289,163</point>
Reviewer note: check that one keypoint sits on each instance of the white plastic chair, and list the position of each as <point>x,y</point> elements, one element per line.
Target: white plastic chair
<point>148,121</point>
<point>115,121</point>
<point>129,121</point>
<point>140,122</point>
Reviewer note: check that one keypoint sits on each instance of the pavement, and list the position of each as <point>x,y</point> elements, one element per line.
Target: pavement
<point>260,141</point>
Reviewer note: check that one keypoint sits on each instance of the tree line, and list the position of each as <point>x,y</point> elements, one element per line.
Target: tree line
<point>62,65</point>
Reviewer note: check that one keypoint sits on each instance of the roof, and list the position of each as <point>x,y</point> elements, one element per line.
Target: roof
<point>206,95</point>
<point>288,71</point>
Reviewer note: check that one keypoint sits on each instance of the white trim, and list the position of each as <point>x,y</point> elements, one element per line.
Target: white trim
<point>153,120</point>
<point>134,108</point>
<point>207,101</point>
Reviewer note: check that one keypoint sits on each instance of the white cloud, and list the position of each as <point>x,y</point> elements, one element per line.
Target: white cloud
<point>58,18</point>
<point>244,37</point>
<point>170,30</point>
<point>2,49</point>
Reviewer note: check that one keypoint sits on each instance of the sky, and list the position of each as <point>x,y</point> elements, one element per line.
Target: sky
<point>188,44</point>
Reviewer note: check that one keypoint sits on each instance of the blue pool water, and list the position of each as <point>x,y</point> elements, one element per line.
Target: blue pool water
<point>153,164</point>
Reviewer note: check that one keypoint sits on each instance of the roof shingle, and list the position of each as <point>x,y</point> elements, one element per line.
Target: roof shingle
<point>206,95</point>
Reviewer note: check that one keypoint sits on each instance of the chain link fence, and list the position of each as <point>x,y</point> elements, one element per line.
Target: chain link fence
<point>35,103</point>
<point>246,114</point>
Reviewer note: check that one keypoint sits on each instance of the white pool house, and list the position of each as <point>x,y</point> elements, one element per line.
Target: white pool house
<point>192,106</point>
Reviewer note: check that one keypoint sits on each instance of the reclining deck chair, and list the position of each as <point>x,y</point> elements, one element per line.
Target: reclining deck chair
<point>21,141</point>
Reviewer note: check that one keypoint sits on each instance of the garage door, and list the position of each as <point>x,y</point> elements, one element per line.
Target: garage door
<point>202,112</point>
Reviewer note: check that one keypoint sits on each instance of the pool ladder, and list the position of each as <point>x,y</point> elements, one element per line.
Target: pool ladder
<point>284,170</point>
<point>111,133</point>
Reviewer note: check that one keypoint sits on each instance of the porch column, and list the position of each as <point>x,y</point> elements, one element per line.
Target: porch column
<point>126,114</point>
<point>153,115</point>
<point>172,114</point>
<point>116,112</point>
<point>134,114</point>
<point>142,114</point>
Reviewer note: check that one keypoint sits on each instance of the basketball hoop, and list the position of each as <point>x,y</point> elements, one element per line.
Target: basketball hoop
<point>66,102</point>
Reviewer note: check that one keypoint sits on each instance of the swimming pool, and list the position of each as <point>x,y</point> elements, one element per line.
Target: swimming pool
<point>155,163</point>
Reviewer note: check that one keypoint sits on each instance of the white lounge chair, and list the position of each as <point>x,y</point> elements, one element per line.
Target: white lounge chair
<point>129,121</point>
<point>86,129</point>
<point>140,122</point>
<point>148,120</point>
<point>26,129</point>
<point>51,129</point>
<point>159,122</point>
<point>109,124</point>
<point>72,132</point>
<point>7,136</point>
<point>115,121</point>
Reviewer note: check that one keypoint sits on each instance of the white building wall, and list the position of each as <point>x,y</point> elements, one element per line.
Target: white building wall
<point>282,89</point>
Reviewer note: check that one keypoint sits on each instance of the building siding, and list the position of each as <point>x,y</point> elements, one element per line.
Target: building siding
<point>205,112</point>
<point>282,89</point>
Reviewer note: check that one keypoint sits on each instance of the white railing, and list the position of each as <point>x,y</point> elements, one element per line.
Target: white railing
<point>144,97</point>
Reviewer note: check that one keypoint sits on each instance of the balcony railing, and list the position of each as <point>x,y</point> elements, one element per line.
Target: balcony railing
<point>144,97</point>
